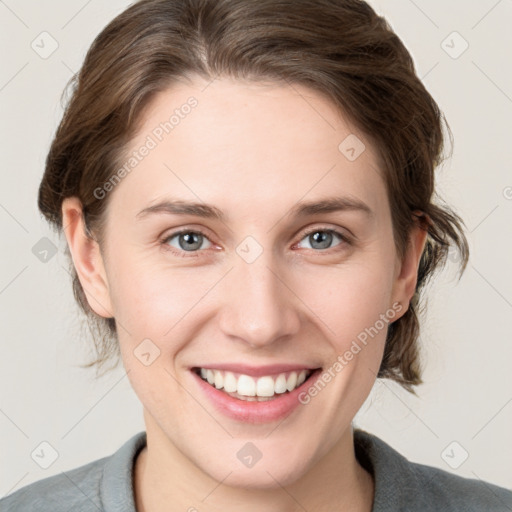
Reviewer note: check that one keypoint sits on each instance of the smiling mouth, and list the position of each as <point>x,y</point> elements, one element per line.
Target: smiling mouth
<point>252,389</point>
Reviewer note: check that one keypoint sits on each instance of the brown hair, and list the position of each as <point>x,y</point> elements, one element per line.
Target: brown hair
<point>339,48</point>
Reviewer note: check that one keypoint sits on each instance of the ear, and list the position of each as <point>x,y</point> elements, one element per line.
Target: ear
<point>407,269</point>
<point>87,258</point>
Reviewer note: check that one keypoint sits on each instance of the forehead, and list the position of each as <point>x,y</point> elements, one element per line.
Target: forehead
<point>247,143</point>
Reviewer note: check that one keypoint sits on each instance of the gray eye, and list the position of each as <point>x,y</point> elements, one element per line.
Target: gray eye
<point>187,240</point>
<point>321,239</point>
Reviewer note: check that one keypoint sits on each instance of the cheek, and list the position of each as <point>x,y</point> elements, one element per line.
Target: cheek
<point>349,298</point>
<point>151,300</point>
<point>355,311</point>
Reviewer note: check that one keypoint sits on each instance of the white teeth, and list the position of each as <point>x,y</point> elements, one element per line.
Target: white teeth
<point>230,383</point>
<point>265,386</point>
<point>280,385</point>
<point>248,386</point>
<point>219,379</point>
<point>291,383</point>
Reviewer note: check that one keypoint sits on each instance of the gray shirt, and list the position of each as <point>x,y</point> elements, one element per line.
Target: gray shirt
<point>400,485</point>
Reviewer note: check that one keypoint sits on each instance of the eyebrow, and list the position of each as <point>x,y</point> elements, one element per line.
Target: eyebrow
<point>331,204</point>
<point>301,209</point>
<point>204,210</point>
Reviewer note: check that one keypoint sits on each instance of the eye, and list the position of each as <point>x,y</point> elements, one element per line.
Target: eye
<point>192,241</point>
<point>185,241</point>
<point>322,239</point>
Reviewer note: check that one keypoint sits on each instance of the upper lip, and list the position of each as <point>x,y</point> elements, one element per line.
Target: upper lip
<point>257,371</point>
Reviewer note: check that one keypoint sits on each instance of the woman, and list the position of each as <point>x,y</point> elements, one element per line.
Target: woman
<point>246,192</point>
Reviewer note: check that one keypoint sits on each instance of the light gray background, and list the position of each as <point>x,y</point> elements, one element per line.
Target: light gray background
<point>467,348</point>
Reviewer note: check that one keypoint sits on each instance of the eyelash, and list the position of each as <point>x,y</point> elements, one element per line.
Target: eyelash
<point>345,240</point>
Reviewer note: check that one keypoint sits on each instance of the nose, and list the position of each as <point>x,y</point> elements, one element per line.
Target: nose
<point>259,307</point>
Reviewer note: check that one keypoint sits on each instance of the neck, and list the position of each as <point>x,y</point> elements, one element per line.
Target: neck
<point>166,480</point>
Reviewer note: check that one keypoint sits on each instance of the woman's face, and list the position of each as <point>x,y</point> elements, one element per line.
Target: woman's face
<point>257,283</point>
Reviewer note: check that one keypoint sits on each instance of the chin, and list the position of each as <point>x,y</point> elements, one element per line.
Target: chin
<point>258,464</point>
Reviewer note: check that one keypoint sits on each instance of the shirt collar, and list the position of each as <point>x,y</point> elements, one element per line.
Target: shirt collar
<point>393,474</point>
<point>378,458</point>
<point>116,486</point>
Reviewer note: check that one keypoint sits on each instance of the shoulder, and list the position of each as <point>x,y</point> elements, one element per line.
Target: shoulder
<point>404,485</point>
<point>77,488</point>
<point>100,485</point>
<point>458,493</point>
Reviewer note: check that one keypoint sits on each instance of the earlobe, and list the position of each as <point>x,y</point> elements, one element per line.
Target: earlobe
<point>87,258</point>
<point>407,275</point>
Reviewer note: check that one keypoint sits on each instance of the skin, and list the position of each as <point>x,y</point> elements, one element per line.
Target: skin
<point>253,151</point>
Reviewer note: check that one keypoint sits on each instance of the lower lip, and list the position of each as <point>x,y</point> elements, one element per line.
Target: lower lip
<point>256,412</point>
